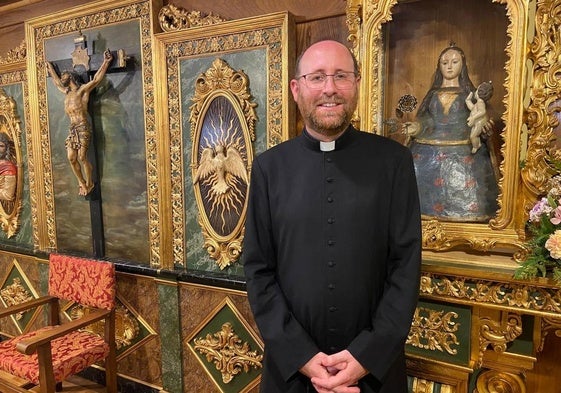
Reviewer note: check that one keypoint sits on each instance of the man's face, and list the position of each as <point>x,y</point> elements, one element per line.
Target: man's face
<point>3,150</point>
<point>327,110</point>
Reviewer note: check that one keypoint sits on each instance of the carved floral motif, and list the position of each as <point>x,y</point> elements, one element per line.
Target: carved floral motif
<point>226,350</point>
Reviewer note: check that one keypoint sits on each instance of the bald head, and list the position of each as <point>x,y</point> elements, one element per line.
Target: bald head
<point>325,49</point>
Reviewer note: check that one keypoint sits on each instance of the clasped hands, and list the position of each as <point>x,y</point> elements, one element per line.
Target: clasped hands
<point>337,373</point>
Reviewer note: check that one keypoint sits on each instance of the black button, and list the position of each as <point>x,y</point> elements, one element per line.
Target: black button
<point>328,159</point>
<point>329,199</point>
<point>331,286</point>
<point>330,242</point>
<point>330,220</point>
<point>331,264</point>
<point>332,309</point>
<point>329,180</point>
<point>332,330</point>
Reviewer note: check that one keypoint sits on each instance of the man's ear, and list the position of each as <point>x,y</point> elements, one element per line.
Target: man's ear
<point>295,89</point>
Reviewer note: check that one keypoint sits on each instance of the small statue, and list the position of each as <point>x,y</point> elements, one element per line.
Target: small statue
<point>478,117</point>
<point>76,107</point>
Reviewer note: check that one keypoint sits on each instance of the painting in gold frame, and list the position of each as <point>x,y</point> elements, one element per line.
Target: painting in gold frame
<point>17,217</point>
<point>257,51</point>
<point>397,45</point>
<point>53,38</point>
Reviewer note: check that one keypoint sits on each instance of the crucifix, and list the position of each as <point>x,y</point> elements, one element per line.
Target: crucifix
<point>77,84</point>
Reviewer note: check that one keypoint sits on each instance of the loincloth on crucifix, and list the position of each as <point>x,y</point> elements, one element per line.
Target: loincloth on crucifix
<point>79,137</point>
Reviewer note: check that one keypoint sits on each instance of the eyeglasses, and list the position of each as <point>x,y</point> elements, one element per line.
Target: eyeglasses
<point>317,80</point>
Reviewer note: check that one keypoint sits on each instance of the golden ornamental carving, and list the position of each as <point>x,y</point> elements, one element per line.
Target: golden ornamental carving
<point>548,324</point>
<point>434,330</point>
<point>514,295</point>
<point>421,385</point>
<point>11,165</point>
<point>126,326</point>
<point>542,113</point>
<point>16,293</point>
<point>16,55</point>
<point>173,18</point>
<point>222,129</point>
<point>492,381</point>
<point>229,355</point>
<point>498,334</point>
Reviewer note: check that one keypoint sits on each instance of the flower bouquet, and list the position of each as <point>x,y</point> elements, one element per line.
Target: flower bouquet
<point>544,226</point>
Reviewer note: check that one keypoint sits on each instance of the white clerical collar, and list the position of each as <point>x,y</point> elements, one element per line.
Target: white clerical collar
<point>327,146</point>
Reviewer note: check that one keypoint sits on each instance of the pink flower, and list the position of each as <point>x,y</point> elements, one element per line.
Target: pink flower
<point>540,208</point>
<point>553,244</point>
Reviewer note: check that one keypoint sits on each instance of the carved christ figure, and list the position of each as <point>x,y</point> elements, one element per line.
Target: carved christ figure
<point>76,108</point>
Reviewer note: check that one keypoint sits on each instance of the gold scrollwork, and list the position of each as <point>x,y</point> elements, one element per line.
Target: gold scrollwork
<point>491,381</point>
<point>542,112</point>
<point>15,55</point>
<point>222,128</point>
<point>16,293</point>
<point>547,325</point>
<point>516,296</point>
<point>11,164</point>
<point>226,350</point>
<point>498,334</point>
<point>173,18</point>
<point>434,330</point>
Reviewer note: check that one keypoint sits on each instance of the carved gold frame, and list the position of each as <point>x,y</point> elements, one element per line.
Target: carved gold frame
<point>10,126</point>
<point>504,234</point>
<point>271,32</point>
<point>13,71</point>
<point>231,87</point>
<point>69,21</point>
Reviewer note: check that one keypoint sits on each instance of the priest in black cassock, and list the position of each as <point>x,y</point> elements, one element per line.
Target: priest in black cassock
<point>332,250</point>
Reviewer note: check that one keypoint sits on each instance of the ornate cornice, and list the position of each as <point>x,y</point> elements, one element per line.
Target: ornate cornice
<point>16,55</point>
<point>173,18</point>
<point>518,296</point>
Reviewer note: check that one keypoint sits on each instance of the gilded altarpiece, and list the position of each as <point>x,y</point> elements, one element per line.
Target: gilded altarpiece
<point>226,93</point>
<point>469,266</point>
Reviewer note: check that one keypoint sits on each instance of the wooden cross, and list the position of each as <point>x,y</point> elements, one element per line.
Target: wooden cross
<point>81,142</point>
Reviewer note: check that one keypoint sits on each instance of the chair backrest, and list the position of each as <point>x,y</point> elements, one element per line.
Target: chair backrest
<point>85,281</point>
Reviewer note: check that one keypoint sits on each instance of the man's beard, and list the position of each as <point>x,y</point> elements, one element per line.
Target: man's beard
<point>330,125</point>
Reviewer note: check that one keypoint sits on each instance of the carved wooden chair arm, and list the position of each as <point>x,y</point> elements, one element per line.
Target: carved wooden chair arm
<point>30,346</point>
<point>27,305</point>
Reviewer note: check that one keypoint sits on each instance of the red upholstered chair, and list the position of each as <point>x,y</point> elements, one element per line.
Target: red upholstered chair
<point>47,356</point>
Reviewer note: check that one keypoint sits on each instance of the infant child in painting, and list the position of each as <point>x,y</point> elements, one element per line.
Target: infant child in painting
<point>478,117</point>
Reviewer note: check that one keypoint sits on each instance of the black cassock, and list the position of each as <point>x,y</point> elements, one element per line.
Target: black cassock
<point>332,256</point>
